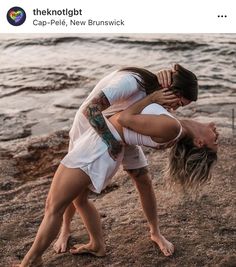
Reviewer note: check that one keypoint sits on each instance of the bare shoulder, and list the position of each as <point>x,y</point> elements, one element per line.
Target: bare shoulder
<point>167,130</point>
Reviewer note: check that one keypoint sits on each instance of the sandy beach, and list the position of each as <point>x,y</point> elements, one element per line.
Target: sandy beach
<point>202,230</point>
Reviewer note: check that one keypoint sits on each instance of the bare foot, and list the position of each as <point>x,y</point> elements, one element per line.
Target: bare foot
<point>60,245</point>
<point>165,246</point>
<point>88,249</point>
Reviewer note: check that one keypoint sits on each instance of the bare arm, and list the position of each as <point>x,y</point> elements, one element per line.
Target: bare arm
<point>93,112</point>
<point>162,127</point>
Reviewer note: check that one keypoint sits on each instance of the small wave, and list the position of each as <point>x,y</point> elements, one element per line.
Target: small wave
<point>210,50</point>
<point>227,52</point>
<point>228,42</point>
<point>39,79</point>
<point>170,44</point>
<point>44,41</point>
<point>54,86</point>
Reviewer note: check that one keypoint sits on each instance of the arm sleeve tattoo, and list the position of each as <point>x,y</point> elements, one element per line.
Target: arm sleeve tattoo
<point>93,112</point>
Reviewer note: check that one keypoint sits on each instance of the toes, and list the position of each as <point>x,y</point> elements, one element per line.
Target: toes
<point>168,251</point>
<point>84,249</point>
<point>60,248</point>
<point>165,252</point>
<point>56,248</point>
<point>63,248</point>
<point>74,250</point>
<point>77,249</point>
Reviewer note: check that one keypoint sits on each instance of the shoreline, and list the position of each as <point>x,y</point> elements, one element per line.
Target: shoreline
<point>19,128</point>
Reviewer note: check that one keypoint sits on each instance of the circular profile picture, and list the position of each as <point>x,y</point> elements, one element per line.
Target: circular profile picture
<point>16,16</point>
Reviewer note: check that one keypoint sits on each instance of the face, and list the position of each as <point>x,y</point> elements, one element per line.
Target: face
<point>182,101</point>
<point>209,136</point>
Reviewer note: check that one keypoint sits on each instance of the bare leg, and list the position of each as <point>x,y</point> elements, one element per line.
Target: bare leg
<point>61,243</point>
<point>91,219</point>
<point>146,193</point>
<point>66,185</point>
<point>92,222</point>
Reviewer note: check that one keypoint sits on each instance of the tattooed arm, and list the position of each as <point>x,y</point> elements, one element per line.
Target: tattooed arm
<point>93,112</point>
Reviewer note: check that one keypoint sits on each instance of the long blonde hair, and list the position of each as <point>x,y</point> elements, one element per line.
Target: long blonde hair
<point>190,166</point>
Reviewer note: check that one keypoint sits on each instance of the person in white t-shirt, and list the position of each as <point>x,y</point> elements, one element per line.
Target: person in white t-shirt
<point>193,152</point>
<point>112,94</point>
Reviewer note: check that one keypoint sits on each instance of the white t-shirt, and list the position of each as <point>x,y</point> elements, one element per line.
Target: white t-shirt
<point>87,150</point>
<point>121,89</point>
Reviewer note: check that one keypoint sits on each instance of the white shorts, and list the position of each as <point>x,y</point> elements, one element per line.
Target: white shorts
<point>134,158</point>
<point>90,154</point>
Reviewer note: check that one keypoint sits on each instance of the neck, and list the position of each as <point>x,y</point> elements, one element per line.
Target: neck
<point>190,128</point>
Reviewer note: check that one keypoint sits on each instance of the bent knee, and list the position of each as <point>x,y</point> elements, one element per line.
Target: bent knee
<point>81,200</point>
<point>140,176</point>
<point>53,207</point>
<point>138,173</point>
<point>143,182</point>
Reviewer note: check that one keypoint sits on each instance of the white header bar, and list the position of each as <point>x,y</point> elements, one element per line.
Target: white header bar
<point>123,16</point>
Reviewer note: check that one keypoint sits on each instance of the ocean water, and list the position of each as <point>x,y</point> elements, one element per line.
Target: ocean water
<point>45,78</point>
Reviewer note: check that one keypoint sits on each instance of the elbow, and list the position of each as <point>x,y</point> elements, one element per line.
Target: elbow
<point>123,119</point>
<point>85,111</point>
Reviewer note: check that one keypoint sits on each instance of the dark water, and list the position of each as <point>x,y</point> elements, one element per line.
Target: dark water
<point>44,78</point>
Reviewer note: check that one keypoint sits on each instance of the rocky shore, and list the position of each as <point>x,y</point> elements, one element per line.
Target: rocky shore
<point>45,78</point>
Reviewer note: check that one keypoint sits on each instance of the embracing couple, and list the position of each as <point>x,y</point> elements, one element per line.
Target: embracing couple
<point>127,109</point>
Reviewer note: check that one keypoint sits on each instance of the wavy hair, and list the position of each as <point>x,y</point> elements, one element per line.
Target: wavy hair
<point>190,166</point>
